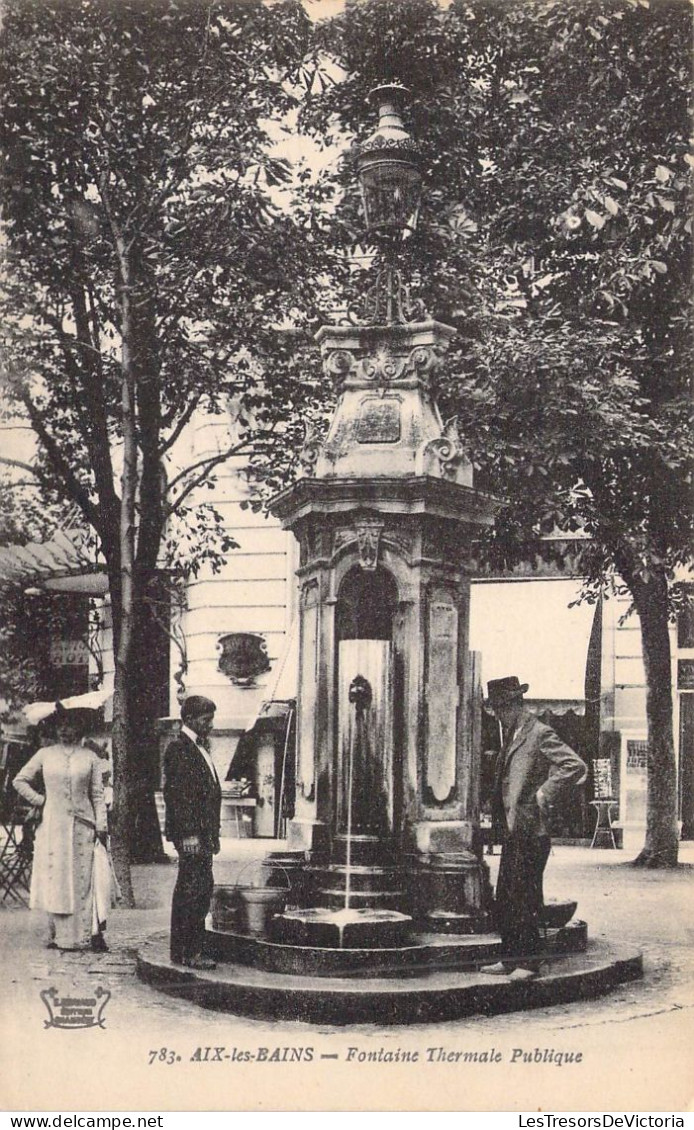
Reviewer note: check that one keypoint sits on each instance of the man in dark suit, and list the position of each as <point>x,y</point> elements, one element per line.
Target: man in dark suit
<point>533,768</point>
<point>193,799</point>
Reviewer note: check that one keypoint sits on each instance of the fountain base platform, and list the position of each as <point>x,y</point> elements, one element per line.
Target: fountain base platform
<point>418,955</point>
<point>432,978</point>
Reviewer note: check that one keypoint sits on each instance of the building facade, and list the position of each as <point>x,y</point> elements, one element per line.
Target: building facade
<point>234,637</point>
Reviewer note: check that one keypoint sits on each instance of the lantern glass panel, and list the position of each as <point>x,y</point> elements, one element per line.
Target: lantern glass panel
<point>391,196</point>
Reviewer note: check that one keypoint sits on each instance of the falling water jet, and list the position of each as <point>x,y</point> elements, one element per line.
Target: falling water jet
<point>351,926</point>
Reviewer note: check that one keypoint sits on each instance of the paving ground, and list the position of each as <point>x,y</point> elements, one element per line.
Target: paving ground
<point>631,1050</point>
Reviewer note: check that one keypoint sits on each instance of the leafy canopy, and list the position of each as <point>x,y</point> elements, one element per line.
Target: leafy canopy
<point>556,236</point>
<point>140,170</point>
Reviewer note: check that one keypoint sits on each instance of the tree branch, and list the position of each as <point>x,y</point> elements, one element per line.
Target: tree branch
<point>95,430</point>
<point>22,466</point>
<point>175,180</point>
<point>62,468</point>
<point>62,337</point>
<point>185,418</point>
<point>205,465</point>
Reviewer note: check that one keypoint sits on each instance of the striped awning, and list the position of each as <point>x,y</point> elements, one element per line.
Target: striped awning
<point>58,564</point>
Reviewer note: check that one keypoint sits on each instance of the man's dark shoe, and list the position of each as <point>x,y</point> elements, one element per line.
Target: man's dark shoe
<point>199,962</point>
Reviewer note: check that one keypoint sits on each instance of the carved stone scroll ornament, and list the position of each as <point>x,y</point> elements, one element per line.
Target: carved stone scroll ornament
<point>339,363</point>
<point>423,359</point>
<point>310,451</point>
<point>443,456</point>
<point>369,532</point>
<point>382,367</point>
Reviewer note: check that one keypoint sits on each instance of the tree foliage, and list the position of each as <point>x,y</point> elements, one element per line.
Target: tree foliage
<point>156,245</point>
<point>556,236</point>
<point>148,263</point>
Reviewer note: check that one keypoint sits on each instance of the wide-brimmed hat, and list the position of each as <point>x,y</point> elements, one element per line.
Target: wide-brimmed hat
<point>84,718</point>
<point>500,691</point>
<point>36,712</point>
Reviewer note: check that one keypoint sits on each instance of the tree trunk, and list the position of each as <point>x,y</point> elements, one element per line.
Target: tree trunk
<point>123,595</point>
<point>149,669</point>
<point>149,701</point>
<point>662,843</point>
<point>120,815</point>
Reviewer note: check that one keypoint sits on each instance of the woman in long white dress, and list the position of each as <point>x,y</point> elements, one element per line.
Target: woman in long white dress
<point>65,780</point>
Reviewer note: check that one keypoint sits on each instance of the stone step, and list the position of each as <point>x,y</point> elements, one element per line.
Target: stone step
<point>361,878</point>
<point>363,849</point>
<point>425,995</point>
<point>335,898</point>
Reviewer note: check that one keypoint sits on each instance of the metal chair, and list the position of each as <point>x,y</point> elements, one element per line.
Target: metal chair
<point>604,802</point>
<point>16,854</point>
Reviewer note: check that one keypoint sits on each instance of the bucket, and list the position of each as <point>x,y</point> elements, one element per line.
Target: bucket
<point>286,869</point>
<point>226,908</point>
<point>259,905</point>
<point>260,902</point>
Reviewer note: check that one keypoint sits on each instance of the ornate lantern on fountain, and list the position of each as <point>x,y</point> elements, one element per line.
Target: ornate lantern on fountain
<point>388,167</point>
<point>390,179</point>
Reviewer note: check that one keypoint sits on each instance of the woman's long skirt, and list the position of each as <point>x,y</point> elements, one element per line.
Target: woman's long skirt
<point>72,931</point>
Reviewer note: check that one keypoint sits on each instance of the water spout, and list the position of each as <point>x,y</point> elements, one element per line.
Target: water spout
<point>360,695</point>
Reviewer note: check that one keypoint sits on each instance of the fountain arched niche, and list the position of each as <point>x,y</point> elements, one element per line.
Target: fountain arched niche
<point>367,797</point>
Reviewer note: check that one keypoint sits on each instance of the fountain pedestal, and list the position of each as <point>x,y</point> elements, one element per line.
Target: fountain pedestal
<point>385,521</point>
<point>450,893</point>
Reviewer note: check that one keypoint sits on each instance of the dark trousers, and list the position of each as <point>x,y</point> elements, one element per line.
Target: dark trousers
<point>519,898</point>
<point>191,902</point>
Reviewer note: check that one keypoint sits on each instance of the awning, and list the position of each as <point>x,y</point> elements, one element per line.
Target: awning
<point>56,565</point>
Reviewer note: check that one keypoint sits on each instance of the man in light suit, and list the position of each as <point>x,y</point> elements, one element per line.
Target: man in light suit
<point>193,799</point>
<point>533,768</point>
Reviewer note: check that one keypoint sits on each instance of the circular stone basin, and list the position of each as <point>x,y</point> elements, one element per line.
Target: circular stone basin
<point>348,928</point>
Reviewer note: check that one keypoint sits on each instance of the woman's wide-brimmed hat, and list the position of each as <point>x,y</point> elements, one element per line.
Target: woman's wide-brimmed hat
<point>82,718</point>
<point>85,704</point>
<point>504,690</point>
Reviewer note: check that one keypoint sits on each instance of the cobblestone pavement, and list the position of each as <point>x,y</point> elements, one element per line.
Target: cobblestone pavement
<point>635,1045</point>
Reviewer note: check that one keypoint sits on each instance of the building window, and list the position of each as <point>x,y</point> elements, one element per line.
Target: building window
<point>685,621</point>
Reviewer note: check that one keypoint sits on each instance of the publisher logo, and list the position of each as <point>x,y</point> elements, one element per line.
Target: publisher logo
<point>75,1012</point>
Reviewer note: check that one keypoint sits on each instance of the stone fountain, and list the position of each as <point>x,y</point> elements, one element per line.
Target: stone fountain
<point>387,909</point>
